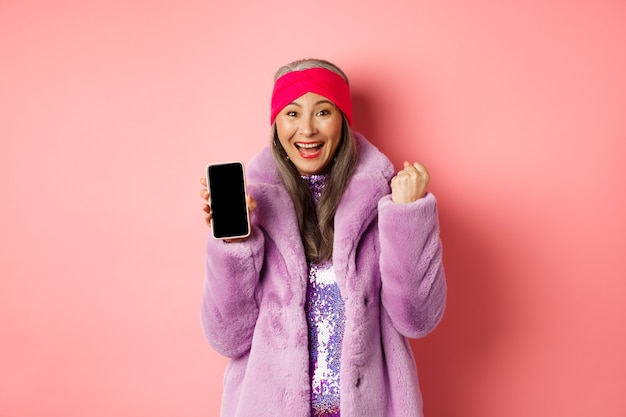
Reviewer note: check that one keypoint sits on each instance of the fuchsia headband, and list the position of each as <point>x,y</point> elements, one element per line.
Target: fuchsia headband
<point>315,80</point>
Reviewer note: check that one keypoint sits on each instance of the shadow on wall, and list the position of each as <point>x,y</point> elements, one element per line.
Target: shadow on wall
<point>450,359</point>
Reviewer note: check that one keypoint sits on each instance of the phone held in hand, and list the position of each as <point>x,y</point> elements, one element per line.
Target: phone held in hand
<point>226,183</point>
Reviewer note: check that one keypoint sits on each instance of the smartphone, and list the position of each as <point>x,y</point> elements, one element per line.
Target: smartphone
<point>226,183</point>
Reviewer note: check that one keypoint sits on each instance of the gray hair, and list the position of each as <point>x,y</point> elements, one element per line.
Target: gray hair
<point>308,63</point>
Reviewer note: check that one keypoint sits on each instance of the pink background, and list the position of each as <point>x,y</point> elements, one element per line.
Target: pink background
<point>109,112</point>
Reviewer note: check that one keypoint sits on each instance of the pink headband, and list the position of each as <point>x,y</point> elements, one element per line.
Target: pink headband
<point>315,80</point>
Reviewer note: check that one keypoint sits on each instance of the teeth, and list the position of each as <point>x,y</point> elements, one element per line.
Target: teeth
<point>309,145</point>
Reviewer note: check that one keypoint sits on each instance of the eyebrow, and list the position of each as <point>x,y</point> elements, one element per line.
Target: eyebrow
<point>317,103</point>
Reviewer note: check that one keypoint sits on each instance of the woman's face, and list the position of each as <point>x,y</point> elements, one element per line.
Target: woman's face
<point>309,128</point>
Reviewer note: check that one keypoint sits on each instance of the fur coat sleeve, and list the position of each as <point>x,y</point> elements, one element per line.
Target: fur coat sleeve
<point>230,305</point>
<point>413,290</point>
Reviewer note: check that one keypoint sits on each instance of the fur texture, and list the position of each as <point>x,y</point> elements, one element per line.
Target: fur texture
<point>387,259</point>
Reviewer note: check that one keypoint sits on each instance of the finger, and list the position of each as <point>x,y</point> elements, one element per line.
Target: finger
<point>423,172</point>
<point>204,193</point>
<point>420,167</point>
<point>251,203</point>
<point>208,215</point>
<point>405,171</point>
<point>203,181</point>
<point>409,168</point>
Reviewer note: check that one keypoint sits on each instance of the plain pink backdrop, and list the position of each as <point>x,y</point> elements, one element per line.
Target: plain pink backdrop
<point>109,112</point>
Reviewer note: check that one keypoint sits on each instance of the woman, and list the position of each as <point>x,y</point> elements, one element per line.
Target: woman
<point>343,264</point>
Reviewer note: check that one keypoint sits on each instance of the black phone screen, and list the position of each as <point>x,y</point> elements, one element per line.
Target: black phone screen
<point>227,191</point>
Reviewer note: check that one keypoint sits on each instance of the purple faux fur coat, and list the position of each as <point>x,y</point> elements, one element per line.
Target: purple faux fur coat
<point>387,259</point>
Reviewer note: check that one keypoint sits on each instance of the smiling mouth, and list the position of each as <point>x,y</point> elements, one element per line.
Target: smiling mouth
<point>309,150</point>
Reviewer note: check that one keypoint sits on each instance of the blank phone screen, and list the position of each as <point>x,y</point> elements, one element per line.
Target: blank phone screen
<point>228,200</point>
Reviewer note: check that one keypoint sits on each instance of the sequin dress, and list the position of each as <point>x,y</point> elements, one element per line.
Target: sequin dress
<point>325,313</point>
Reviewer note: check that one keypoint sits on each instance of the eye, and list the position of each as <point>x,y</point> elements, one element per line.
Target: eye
<point>323,112</point>
<point>291,113</point>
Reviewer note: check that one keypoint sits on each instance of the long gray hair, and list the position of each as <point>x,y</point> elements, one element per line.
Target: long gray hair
<point>317,224</point>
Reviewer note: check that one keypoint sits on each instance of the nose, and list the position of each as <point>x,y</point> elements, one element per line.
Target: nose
<point>308,127</point>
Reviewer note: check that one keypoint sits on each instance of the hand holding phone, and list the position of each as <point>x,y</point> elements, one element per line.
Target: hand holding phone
<point>229,214</point>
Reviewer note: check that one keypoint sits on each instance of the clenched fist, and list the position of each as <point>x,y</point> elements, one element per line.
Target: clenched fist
<point>409,184</point>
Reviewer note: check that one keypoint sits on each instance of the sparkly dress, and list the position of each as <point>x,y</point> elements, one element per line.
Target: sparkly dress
<point>326,322</point>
